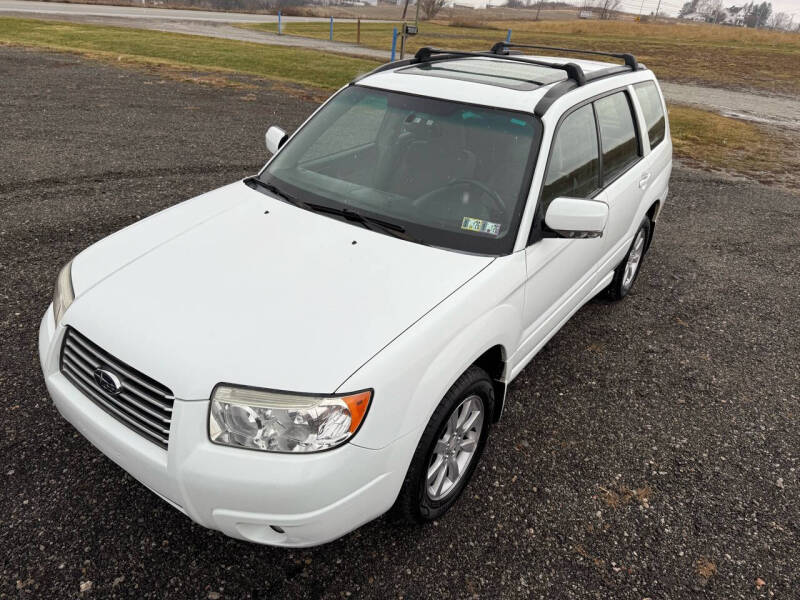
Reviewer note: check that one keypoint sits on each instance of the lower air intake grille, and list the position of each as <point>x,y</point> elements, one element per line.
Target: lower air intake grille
<point>134,399</point>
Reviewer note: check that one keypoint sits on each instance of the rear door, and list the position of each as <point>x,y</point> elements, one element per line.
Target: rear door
<point>624,172</point>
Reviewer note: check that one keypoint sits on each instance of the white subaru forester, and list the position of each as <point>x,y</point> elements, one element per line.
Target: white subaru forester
<point>287,357</point>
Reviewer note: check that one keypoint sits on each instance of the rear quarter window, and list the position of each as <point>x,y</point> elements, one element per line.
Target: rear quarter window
<point>652,110</point>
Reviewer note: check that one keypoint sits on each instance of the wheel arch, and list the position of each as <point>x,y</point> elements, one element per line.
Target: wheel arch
<point>493,361</point>
<point>652,214</point>
<point>478,325</point>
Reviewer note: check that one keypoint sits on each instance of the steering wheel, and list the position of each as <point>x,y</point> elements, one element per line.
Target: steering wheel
<point>497,201</point>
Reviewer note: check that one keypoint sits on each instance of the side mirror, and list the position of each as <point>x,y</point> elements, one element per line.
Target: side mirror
<point>275,138</point>
<point>577,217</point>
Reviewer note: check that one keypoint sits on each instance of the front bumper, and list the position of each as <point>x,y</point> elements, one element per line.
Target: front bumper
<point>313,498</point>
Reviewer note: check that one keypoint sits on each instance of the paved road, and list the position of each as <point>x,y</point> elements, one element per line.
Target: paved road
<point>781,111</point>
<point>688,391</point>
<point>193,22</point>
<point>64,9</point>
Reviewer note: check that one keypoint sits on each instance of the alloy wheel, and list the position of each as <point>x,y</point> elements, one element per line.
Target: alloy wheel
<point>456,448</point>
<point>634,260</point>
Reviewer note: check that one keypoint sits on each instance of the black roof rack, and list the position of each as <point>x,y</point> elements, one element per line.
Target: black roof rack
<point>502,48</point>
<point>428,54</point>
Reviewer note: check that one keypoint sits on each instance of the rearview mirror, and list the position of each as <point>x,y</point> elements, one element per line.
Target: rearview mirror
<point>275,138</point>
<point>577,217</point>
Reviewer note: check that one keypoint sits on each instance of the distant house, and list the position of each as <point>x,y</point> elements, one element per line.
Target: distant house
<point>477,4</point>
<point>734,16</point>
<point>728,16</point>
<point>695,17</point>
<point>586,14</point>
<point>454,3</point>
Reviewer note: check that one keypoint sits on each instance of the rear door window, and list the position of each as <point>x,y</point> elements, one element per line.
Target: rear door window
<point>652,110</point>
<point>574,162</point>
<point>617,134</point>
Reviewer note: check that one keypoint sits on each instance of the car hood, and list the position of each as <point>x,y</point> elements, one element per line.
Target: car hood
<point>236,286</point>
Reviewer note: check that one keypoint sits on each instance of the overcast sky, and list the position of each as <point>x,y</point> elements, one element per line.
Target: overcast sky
<point>788,6</point>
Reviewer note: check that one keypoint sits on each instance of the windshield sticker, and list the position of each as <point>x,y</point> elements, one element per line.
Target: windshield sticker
<point>481,226</point>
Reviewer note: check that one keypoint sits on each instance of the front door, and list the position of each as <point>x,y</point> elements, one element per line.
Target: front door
<point>562,273</point>
<point>559,270</point>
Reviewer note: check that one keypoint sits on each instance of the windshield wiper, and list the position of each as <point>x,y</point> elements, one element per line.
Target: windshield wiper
<point>281,194</point>
<point>357,217</point>
<point>373,223</point>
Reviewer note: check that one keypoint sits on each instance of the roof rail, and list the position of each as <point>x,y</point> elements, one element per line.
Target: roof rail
<point>427,54</point>
<point>501,48</point>
<point>384,67</point>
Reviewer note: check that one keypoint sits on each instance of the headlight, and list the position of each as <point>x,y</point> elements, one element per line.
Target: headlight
<point>64,294</point>
<point>284,422</point>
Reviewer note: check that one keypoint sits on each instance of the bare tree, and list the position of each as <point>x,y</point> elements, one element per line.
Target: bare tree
<point>716,12</point>
<point>779,20</point>
<point>688,8</point>
<point>430,8</point>
<point>703,7</point>
<point>608,8</point>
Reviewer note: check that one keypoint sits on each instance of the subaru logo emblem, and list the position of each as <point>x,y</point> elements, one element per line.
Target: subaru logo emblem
<point>107,381</point>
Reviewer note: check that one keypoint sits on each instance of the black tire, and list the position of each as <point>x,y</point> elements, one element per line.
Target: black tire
<point>620,286</point>
<point>414,505</point>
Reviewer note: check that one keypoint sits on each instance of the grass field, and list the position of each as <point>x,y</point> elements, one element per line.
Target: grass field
<point>718,56</point>
<point>306,67</point>
<point>711,141</point>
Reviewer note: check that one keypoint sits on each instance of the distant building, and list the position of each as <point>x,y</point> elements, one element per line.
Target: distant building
<point>475,4</point>
<point>695,17</point>
<point>727,16</point>
<point>733,16</point>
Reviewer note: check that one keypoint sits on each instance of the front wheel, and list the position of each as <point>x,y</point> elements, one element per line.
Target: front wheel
<point>449,449</point>
<point>628,270</point>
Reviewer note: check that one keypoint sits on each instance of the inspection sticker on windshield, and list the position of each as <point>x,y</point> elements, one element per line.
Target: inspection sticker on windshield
<point>481,226</point>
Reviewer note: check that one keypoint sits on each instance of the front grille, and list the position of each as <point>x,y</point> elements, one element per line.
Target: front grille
<point>141,403</point>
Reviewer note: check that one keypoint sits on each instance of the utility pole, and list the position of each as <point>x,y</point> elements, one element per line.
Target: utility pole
<point>538,10</point>
<point>658,8</point>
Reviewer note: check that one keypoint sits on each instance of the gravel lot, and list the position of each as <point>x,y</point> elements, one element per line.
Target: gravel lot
<point>650,451</point>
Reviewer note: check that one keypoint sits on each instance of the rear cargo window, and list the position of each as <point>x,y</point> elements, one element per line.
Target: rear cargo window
<point>653,111</point>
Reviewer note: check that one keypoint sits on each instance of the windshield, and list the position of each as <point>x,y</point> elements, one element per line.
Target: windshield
<point>447,174</point>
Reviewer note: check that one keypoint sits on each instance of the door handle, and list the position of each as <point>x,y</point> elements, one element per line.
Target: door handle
<point>643,181</point>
